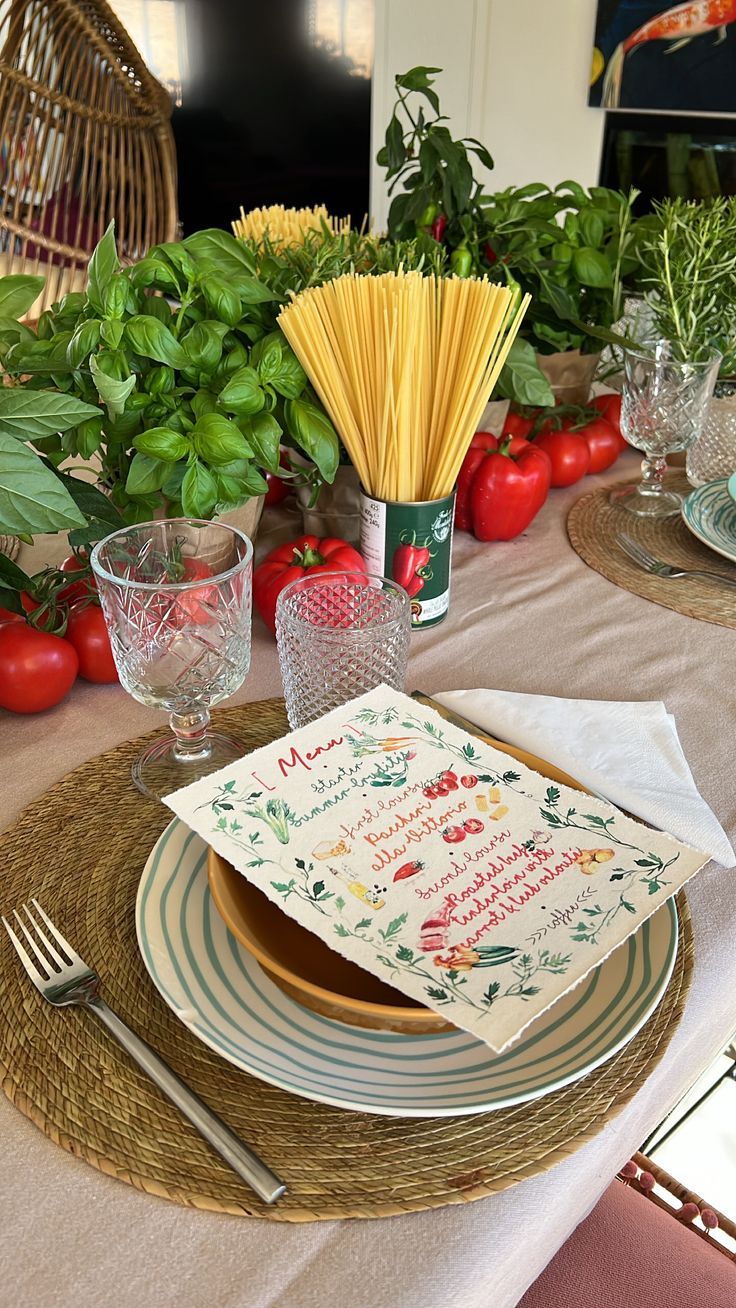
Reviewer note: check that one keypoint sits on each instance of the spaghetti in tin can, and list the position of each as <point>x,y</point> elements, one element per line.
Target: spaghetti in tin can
<point>411,543</point>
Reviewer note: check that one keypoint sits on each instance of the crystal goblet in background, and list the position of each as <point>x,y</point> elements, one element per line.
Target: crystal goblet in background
<point>665,402</point>
<point>176,596</point>
<point>340,634</point>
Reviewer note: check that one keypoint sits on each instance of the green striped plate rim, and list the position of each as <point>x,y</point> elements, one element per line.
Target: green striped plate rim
<point>710,514</point>
<point>220,993</point>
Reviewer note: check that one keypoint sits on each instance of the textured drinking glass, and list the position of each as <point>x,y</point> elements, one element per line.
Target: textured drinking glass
<point>714,453</point>
<point>340,634</point>
<point>665,401</point>
<point>176,595</point>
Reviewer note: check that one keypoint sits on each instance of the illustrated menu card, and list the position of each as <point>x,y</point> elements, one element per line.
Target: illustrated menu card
<point>444,866</point>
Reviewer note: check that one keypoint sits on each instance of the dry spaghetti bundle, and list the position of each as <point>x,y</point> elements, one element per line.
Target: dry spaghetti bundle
<point>404,365</point>
<point>283,227</point>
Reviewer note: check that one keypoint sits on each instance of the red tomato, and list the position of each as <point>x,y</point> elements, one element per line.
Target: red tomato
<point>199,604</point>
<point>473,826</point>
<point>429,792</point>
<point>516,425</point>
<point>603,443</point>
<point>278,489</point>
<point>87,632</point>
<point>305,556</point>
<point>449,776</point>
<point>569,455</point>
<point>469,781</point>
<point>609,405</point>
<point>78,589</point>
<point>7,615</point>
<point>36,669</point>
<point>441,789</point>
<point>453,835</point>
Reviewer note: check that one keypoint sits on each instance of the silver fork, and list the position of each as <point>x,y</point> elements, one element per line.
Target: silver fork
<point>68,980</point>
<point>647,561</point>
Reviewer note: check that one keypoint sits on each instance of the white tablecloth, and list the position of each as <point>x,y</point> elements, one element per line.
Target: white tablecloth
<point>526,616</point>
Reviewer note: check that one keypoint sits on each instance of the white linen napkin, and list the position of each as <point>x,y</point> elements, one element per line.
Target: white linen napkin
<point>629,753</point>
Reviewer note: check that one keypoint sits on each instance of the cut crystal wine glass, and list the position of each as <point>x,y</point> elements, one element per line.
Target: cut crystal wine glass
<point>176,595</point>
<point>665,402</point>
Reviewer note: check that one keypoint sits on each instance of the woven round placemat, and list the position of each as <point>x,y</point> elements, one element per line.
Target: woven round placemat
<point>80,849</point>
<point>592,525</point>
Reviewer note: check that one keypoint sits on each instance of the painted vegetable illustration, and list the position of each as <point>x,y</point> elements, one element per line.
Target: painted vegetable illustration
<point>276,814</point>
<point>409,870</point>
<point>433,931</point>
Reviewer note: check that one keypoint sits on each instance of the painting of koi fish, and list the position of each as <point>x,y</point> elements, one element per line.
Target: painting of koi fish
<point>702,25</point>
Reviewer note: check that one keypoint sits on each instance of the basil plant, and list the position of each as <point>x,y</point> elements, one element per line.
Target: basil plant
<point>170,378</point>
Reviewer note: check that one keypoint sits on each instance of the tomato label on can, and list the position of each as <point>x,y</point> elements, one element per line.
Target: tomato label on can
<point>411,544</point>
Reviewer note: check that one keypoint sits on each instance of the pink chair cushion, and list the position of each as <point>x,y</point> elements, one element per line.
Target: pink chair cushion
<point>629,1252</point>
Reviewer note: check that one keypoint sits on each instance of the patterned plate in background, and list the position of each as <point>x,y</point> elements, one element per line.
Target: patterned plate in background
<point>220,993</point>
<point>710,514</point>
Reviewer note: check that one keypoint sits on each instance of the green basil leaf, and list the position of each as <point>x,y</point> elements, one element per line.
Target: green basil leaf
<point>91,501</point>
<point>157,307</point>
<point>145,475</point>
<point>111,333</point>
<point>243,393</point>
<point>12,577</point>
<point>239,481</point>
<point>115,297</point>
<point>175,253</point>
<point>102,266</point>
<point>218,440</point>
<point>89,437</point>
<point>214,248</point>
<point>237,357</point>
<point>313,431</point>
<point>174,478</point>
<point>198,491</point>
<point>253,291</point>
<point>32,498</point>
<point>163,443</point>
<point>221,299</point>
<point>151,339</point>
<point>84,340</point>
<point>18,292</point>
<point>204,402</point>
<point>154,274</point>
<point>111,391</point>
<point>263,434</point>
<point>27,414</point>
<point>592,228</point>
<point>591,267</point>
<point>12,331</point>
<point>267,356</point>
<point>522,379</point>
<point>203,344</point>
<point>291,377</point>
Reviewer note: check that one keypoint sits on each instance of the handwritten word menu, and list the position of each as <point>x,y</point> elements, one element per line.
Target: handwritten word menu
<point>454,873</point>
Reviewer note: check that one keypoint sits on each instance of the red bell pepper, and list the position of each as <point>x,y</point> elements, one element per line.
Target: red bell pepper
<point>508,490</point>
<point>438,227</point>
<point>483,443</point>
<point>298,558</point>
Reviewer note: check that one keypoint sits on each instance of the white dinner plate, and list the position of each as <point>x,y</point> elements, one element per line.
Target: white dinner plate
<point>710,514</point>
<point>220,993</point>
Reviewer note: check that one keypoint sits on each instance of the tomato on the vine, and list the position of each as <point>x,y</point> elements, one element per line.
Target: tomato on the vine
<point>7,615</point>
<point>517,425</point>
<point>603,443</point>
<point>36,669</point>
<point>568,453</point>
<point>87,632</point>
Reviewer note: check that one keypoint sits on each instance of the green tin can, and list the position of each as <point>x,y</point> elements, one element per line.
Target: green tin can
<point>412,544</point>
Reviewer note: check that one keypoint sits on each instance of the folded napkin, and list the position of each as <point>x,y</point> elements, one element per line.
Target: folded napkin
<point>628,753</point>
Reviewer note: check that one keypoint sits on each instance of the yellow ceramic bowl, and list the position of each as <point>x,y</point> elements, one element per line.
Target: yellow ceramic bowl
<point>306,968</point>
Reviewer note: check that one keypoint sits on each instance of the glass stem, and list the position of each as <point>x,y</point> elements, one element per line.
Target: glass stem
<point>192,741</point>
<point>652,475</point>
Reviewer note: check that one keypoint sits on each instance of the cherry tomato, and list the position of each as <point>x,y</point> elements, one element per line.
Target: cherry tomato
<point>7,615</point>
<point>473,826</point>
<point>195,605</point>
<point>442,789</point>
<point>453,835</point>
<point>603,443</point>
<point>448,777</point>
<point>87,632</point>
<point>36,669</point>
<point>469,781</point>
<point>429,792</point>
<point>569,455</point>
